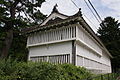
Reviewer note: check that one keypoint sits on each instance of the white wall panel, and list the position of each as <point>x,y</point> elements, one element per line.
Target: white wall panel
<point>79,61</point>
<point>51,49</point>
<point>105,59</point>
<point>91,60</point>
<point>88,39</point>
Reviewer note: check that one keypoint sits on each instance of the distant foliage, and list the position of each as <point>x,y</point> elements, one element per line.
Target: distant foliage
<point>13,70</point>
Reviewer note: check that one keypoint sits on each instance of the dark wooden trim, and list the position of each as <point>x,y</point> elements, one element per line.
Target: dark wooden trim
<point>74,52</point>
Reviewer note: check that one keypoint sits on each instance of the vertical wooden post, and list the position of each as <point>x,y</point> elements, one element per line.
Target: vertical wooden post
<point>74,52</point>
<point>74,47</point>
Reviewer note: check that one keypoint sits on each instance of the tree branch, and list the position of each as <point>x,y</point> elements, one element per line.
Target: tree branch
<point>13,7</point>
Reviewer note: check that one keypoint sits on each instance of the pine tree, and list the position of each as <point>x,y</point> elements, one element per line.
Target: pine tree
<point>109,33</point>
<point>14,15</point>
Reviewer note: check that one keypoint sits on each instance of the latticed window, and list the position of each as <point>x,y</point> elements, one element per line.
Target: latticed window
<point>55,59</point>
<point>52,35</point>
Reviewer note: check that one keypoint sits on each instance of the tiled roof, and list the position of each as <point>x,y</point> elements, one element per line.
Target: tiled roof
<point>51,22</point>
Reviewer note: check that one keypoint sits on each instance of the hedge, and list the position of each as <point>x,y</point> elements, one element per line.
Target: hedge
<point>13,70</point>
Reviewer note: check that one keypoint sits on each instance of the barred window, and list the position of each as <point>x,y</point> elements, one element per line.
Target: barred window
<point>55,59</point>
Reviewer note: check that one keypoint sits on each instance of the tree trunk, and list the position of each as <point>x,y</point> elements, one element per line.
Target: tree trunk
<point>9,34</point>
<point>7,43</point>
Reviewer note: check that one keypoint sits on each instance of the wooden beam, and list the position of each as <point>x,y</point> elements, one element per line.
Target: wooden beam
<point>73,52</point>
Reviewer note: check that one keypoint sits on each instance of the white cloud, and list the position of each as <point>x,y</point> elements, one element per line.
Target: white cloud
<point>112,4</point>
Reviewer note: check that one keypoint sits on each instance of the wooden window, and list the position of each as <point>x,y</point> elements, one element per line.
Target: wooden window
<point>55,59</point>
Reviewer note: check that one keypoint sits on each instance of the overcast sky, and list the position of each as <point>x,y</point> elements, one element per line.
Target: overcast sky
<point>104,8</point>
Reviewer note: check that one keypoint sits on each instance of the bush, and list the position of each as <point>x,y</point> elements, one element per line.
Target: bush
<point>13,70</point>
<point>110,76</point>
<point>71,72</point>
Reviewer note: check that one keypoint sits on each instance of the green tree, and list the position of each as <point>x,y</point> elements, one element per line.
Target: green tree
<point>109,33</point>
<point>15,15</point>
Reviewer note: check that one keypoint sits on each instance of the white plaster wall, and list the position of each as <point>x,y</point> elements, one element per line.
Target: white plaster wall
<point>90,52</point>
<point>105,59</point>
<point>51,49</point>
<point>86,38</point>
<point>102,63</point>
<point>84,52</point>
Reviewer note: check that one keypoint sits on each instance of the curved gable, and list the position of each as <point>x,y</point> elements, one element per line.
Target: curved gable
<point>53,16</point>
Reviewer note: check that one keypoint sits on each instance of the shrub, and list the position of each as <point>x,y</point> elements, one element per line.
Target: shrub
<point>71,72</point>
<point>109,76</point>
<point>13,70</point>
